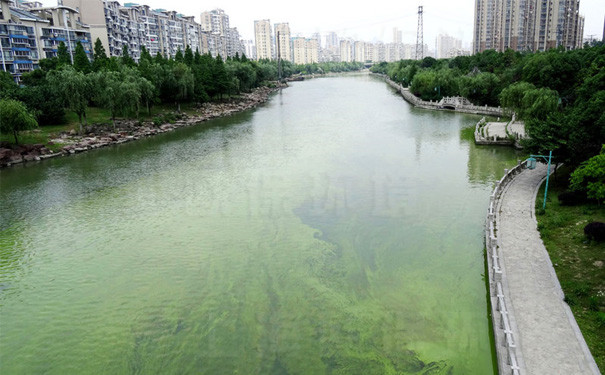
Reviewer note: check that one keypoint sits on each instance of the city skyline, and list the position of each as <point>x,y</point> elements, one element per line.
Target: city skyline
<point>370,24</point>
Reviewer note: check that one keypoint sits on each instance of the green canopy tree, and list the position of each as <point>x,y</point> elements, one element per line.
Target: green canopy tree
<point>8,87</point>
<point>184,83</point>
<point>178,57</point>
<point>511,97</point>
<point>63,55</point>
<point>188,58</point>
<point>220,76</point>
<point>145,55</point>
<point>590,177</point>
<point>81,61</point>
<point>126,59</point>
<point>15,117</point>
<point>100,59</point>
<point>74,89</point>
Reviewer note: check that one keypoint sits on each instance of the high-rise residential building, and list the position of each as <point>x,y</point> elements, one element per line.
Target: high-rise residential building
<point>250,49</point>
<point>317,36</point>
<point>527,25</point>
<point>312,51</point>
<point>282,41</point>
<point>262,35</point>
<point>159,30</point>
<point>332,40</point>
<point>346,50</point>
<point>30,32</point>
<point>215,21</point>
<point>305,50</point>
<point>223,40</point>
<point>444,44</point>
<point>397,36</point>
<point>360,51</point>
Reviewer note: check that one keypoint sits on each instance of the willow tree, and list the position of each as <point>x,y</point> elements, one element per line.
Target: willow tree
<point>74,89</point>
<point>15,117</point>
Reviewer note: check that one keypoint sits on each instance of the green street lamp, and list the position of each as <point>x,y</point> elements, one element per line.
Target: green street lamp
<point>531,164</point>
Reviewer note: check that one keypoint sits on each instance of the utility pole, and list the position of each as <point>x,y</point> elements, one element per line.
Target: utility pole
<point>278,58</point>
<point>419,37</point>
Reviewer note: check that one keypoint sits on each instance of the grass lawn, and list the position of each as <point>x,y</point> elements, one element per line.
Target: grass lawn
<point>577,261</point>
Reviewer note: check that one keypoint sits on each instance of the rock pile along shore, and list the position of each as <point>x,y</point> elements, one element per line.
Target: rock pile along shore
<point>128,130</point>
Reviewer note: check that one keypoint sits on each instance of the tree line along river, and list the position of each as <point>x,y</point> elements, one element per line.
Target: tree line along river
<point>333,230</point>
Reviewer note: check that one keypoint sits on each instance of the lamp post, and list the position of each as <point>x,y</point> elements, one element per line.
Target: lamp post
<point>532,164</point>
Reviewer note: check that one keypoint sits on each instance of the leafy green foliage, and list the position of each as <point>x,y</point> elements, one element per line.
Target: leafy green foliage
<point>590,177</point>
<point>73,88</point>
<point>81,62</point>
<point>63,54</point>
<point>15,117</point>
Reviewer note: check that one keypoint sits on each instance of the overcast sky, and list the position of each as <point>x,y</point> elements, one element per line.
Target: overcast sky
<point>374,21</point>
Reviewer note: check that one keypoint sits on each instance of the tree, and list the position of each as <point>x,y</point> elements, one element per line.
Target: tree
<point>8,87</point>
<point>145,55</point>
<point>81,62</point>
<point>188,58</point>
<point>512,97</point>
<point>100,59</point>
<point>184,83</point>
<point>178,57</point>
<point>126,59</point>
<point>220,76</point>
<point>14,117</point>
<point>39,96</point>
<point>73,88</point>
<point>481,88</point>
<point>590,177</point>
<point>63,54</point>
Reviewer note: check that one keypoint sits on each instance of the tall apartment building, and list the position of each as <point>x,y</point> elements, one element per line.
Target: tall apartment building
<point>223,39</point>
<point>249,49</point>
<point>360,51</point>
<point>263,38</point>
<point>397,36</point>
<point>444,44</point>
<point>30,32</point>
<point>527,25</point>
<point>305,50</point>
<point>160,31</point>
<point>347,49</point>
<point>283,49</point>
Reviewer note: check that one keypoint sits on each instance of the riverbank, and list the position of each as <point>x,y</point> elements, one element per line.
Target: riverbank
<point>98,136</point>
<point>535,330</point>
<point>452,104</point>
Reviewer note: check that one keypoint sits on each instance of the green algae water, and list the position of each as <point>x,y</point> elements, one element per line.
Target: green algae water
<point>334,230</point>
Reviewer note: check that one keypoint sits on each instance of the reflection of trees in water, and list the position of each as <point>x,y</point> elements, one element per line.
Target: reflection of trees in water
<point>487,163</point>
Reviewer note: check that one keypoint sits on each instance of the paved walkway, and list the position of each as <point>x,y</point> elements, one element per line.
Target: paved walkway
<point>548,339</point>
<point>495,129</point>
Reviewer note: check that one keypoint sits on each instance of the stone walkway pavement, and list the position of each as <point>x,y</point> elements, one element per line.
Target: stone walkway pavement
<point>549,340</point>
<point>495,129</point>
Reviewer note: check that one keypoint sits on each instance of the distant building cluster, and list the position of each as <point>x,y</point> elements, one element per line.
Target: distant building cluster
<point>30,32</point>
<point>527,25</point>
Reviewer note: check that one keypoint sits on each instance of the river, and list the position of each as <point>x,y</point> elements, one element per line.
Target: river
<point>333,230</point>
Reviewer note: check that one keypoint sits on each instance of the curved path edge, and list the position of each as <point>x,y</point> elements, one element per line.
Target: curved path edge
<point>535,331</point>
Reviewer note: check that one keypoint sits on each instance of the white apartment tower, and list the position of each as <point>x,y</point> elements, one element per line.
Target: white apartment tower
<point>282,41</point>
<point>397,36</point>
<point>445,44</point>
<point>262,35</point>
<point>527,25</point>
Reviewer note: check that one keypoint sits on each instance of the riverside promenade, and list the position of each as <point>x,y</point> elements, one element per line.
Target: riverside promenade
<point>540,330</point>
